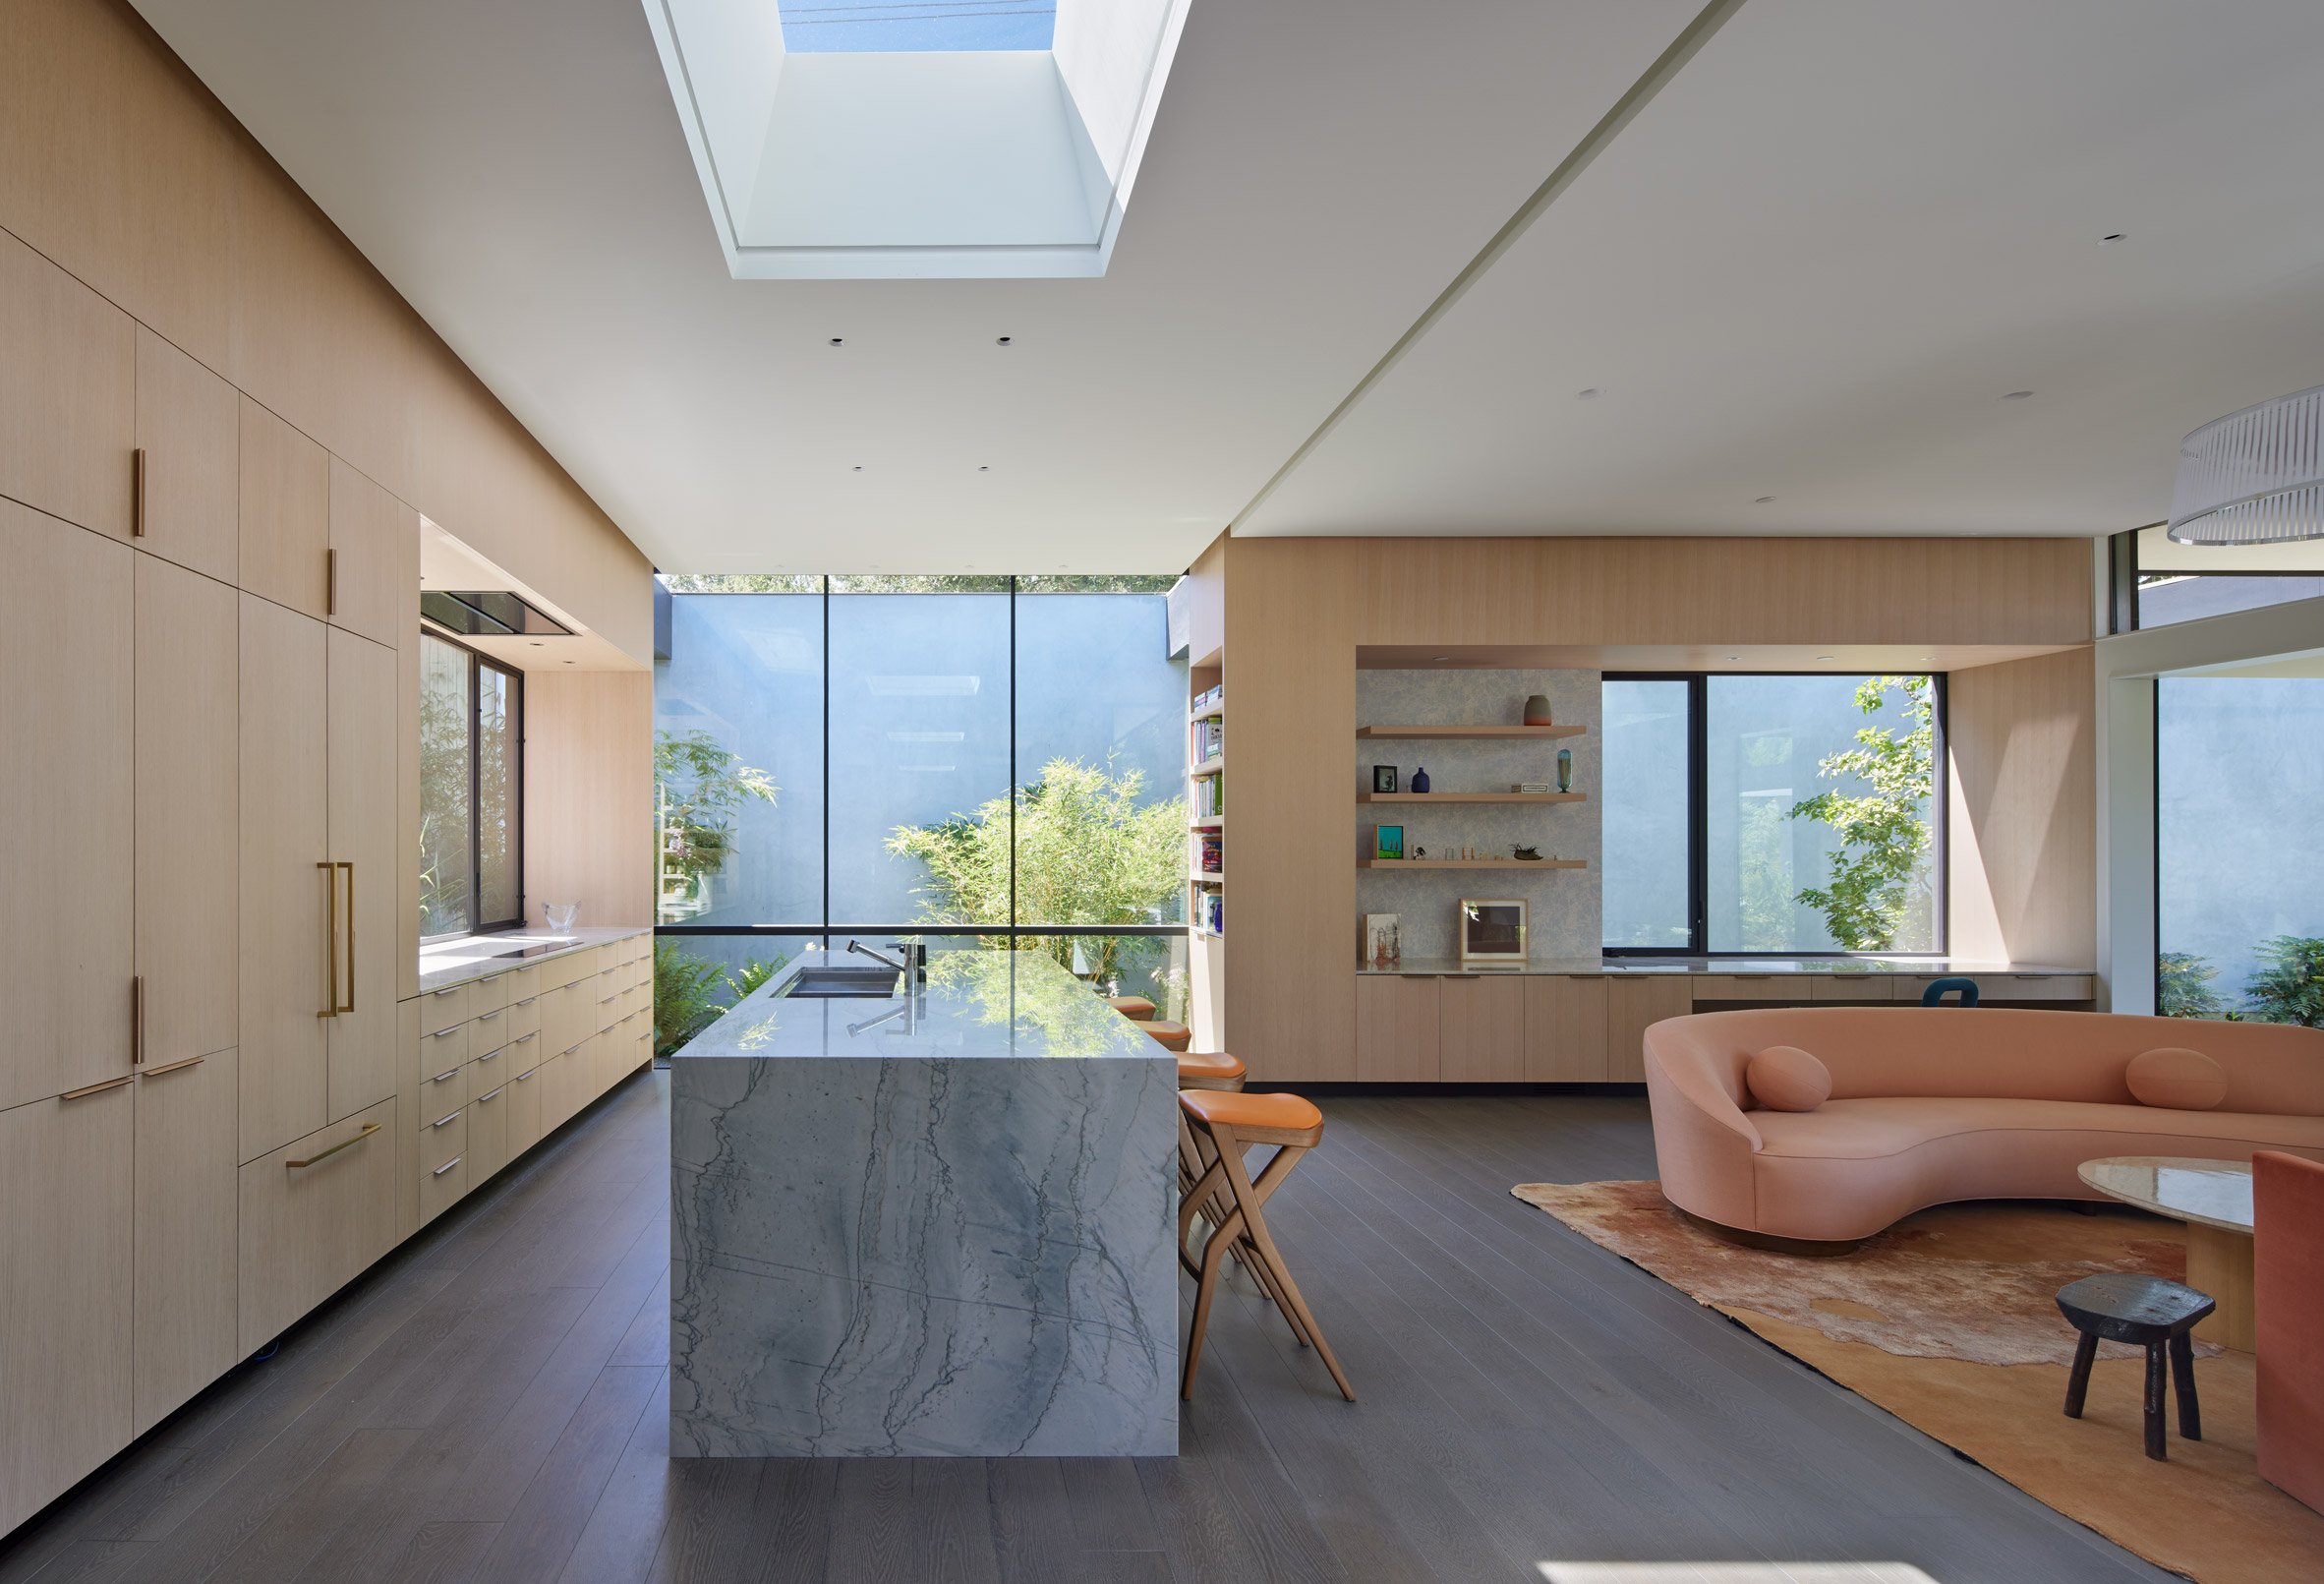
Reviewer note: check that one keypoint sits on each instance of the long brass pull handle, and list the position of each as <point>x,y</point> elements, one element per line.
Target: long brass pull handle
<point>136,1021</point>
<point>369,1129</point>
<point>349,867</point>
<point>96,1088</point>
<point>447,1166</point>
<point>331,881</point>
<point>176,1067</point>
<point>137,494</point>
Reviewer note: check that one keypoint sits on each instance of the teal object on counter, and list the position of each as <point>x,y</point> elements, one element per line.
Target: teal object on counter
<point>1565,770</point>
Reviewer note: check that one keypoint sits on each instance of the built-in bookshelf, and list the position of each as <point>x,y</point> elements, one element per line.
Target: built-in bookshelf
<point>1206,802</point>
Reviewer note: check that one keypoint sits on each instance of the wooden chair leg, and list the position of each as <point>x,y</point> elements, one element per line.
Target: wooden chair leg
<point>1214,1253</point>
<point>2183,1382</point>
<point>1248,1199</point>
<point>2077,1384</point>
<point>2154,1402</point>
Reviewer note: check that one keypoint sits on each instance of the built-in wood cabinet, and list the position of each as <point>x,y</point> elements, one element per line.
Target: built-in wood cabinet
<point>362,838</point>
<point>68,373</point>
<point>285,494</point>
<point>189,873</point>
<point>1565,1028</point>
<point>1632,1003</point>
<point>68,786</point>
<point>1396,1030</point>
<point>188,506</point>
<point>1480,1030</point>
<point>186,1284</point>
<point>312,1215</point>
<point>65,1273</point>
<point>375,552</point>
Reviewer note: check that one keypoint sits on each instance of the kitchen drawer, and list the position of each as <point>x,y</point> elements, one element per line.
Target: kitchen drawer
<point>488,1134</point>
<point>523,1053</point>
<point>441,1186</point>
<point>442,1138</point>
<point>637,948</point>
<point>2034,986</point>
<point>489,994</point>
<point>490,1071</point>
<point>1777,987</point>
<point>635,1000</point>
<point>524,984</point>
<point>558,1085</point>
<point>487,1031</point>
<point>315,1214</point>
<point>522,1095</point>
<point>443,1008</point>
<point>524,1017</point>
<point>1850,987</point>
<point>447,1047</point>
<point>609,1006</point>
<point>445,1090</point>
<point>558,971</point>
<point>568,1015</point>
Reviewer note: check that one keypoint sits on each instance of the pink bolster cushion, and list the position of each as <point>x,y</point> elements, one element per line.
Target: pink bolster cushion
<point>2176,1079</point>
<point>1784,1078</point>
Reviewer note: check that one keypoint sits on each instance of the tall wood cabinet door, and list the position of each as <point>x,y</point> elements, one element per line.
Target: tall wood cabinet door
<point>67,369</point>
<point>363,801</point>
<point>284,496</point>
<point>183,1325</point>
<point>1565,1028</point>
<point>1396,1029</point>
<point>64,1280</point>
<point>289,908</point>
<point>189,503</point>
<point>67,787</point>
<point>1632,1003</point>
<point>314,1214</point>
<point>375,544</point>
<point>189,877</point>
<point>1481,1023</point>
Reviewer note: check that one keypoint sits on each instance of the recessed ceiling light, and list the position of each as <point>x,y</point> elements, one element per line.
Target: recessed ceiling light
<point>1764,501</point>
<point>1003,340</point>
<point>2015,396</point>
<point>1734,657</point>
<point>1590,395</point>
<point>536,643</point>
<point>2111,236</point>
<point>1823,657</point>
<point>858,468</point>
<point>838,340</point>
<point>981,468</point>
<point>1433,658</point>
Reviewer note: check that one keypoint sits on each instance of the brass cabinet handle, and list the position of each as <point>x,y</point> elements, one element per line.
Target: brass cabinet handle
<point>369,1129</point>
<point>137,1020</point>
<point>176,1067</point>
<point>137,494</point>
<point>447,1166</point>
<point>330,883</point>
<point>349,867</point>
<point>96,1088</point>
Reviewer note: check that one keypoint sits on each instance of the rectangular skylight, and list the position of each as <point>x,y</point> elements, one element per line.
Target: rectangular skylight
<point>876,27</point>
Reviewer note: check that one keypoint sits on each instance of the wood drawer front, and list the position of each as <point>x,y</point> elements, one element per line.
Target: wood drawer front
<point>440,1051</point>
<point>567,1017</point>
<point>635,1000</point>
<point>489,1072</point>
<point>1773,987</point>
<point>1480,1030</point>
<point>522,1096</point>
<point>524,984</point>
<point>637,948</point>
<point>488,1032</point>
<point>441,1186</point>
<point>488,1134</point>
<point>445,1090</point>
<point>443,1008</point>
<point>1851,988</point>
<point>489,994</point>
<point>524,1017</point>
<point>2034,986</point>
<point>1565,1027</point>
<point>306,1231</point>
<point>609,1006</point>
<point>1396,1029</point>
<point>523,1054</point>
<point>442,1138</point>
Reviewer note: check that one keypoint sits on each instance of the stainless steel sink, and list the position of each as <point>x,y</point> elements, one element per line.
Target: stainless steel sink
<point>866,983</point>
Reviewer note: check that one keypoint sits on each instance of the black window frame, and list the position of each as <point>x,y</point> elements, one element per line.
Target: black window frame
<point>2127,589</point>
<point>1698,819</point>
<point>478,663</point>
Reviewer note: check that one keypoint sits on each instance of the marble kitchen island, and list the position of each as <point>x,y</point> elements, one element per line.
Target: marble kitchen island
<point>934,1225</point>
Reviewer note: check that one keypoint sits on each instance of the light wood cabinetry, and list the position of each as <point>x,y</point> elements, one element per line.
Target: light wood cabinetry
<point>488,1132</point>
<point>1630,1004</point>
<point>65,1273</point>
<point>1482,1033</point>
<point>188,798</point>
<point>313,1214</point>
<point>67,787</point>
<point>523,1099</point>
<point>68,372</point>
<point>288,889</point>
<point>1850,988</point>
<point>188,508</point>
<point>375,552</point>
<point>363,838</point>
<point>187,1288</point>
<point>284,492</point>
<point>1565,1028</point>
<point>1396,1029</point>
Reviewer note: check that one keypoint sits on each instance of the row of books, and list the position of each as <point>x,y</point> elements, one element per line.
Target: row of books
<point>1211,798</point>
<point>1213,698</point>
<point>1209,855</point>
<point>1210,912</point>
<point>1206,740</point>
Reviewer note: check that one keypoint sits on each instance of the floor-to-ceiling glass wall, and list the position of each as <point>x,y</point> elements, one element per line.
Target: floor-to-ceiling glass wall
<point>973,761</point>
<point>2240,846</point>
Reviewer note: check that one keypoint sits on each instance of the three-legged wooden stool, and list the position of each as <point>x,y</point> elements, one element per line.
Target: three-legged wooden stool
<point>1223,1123</point>
<point>2146,1311</point>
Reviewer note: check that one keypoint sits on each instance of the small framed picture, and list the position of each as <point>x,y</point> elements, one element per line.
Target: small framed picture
<point>1383,946</point>
<point>1492,929</point>
<point>1384,778</point>
<point>1388,840</point>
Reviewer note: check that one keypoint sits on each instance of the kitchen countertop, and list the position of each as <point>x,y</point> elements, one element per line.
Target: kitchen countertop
<point>976,1004</point>
<point>1746,967</point>
<point>446,964</point>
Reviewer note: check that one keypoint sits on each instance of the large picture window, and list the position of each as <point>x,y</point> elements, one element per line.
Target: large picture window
<point>471,791</point>
<point>1773,814</point>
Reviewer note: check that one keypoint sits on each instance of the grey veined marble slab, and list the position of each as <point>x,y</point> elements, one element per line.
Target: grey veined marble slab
<point>947,1239</point>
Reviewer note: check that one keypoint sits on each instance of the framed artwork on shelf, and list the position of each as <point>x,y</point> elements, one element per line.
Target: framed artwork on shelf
<point>1492,929</point>
<point>1384,945</point>
<point>1387,841</point>
<point>1384,778</point>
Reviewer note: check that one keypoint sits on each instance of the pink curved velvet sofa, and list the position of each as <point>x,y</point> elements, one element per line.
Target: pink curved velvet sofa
<point>1933,1104</point>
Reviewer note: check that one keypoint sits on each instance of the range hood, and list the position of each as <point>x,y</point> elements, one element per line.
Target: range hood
<point>489,613</point>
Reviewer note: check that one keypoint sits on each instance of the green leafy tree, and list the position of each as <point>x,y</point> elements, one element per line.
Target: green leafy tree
<point>2289,984</point>
<point>1880,885</point>
<point>698,787</point>
<point>691,992</point>
<point>2183,986</point>
<point>1089,850</point>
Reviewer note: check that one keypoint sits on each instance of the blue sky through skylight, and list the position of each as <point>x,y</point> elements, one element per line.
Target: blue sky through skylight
<point>827,26</point>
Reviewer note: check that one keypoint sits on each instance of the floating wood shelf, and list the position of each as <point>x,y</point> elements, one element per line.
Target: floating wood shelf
<point>1216,712</point>
<point>1471,797</point>
<point>1208,877</point>
<point>1470,730</point>
<point>1214,822</point>
<point>1472,863</point>
<point>1208,767</point>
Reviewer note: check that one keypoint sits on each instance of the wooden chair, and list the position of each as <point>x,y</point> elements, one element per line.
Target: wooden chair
<point>2145,1311</point>
<point>1224,1124</point>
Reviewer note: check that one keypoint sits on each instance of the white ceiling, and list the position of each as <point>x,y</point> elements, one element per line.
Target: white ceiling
<point>1809,269</point>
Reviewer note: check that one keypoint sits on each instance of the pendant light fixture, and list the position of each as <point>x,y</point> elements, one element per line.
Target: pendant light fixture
<point>2254,477</point>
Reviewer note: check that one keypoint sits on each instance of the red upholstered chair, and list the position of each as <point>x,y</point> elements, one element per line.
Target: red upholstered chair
<point>2288,1310</point>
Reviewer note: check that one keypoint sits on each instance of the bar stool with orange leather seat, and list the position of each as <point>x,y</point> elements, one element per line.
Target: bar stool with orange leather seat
<point>1228,1123</point>
<point>1170,1035</point>
<point>1136,1008</point>
<point>1203,1070</point>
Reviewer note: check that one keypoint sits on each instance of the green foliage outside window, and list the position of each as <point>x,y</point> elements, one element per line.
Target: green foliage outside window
<point>2289,984</point>
<point>1879,886</point>
<point>698,787</point>
<point>691,992</point>
<point>2183,986</point>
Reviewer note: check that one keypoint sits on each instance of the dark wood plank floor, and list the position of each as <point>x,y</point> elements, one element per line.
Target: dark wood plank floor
<point>489,1405</point>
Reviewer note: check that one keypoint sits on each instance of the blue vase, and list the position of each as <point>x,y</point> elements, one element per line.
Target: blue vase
<point>1565,770</point>
<point>1420,779</point>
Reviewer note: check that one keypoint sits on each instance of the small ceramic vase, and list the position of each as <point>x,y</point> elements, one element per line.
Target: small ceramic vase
<point>1565,770</point>
<point>1536,710</point>
<point>1420,779</point>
